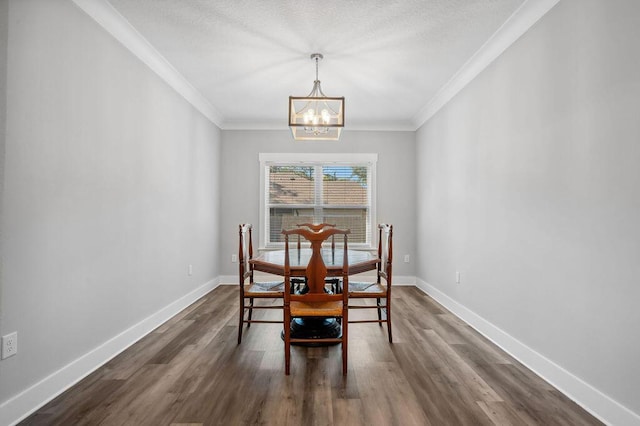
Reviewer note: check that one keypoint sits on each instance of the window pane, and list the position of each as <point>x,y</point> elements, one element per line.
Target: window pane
<point>344,185</point>
<point>286,218</point>
<point>352,219</point>
<point>291,185</point>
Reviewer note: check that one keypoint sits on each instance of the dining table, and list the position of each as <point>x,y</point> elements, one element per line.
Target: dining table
<point>272,262</point>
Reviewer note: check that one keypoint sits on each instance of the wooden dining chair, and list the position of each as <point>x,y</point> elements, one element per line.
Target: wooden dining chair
<point>334,282</point>
<point>380,289</point>
<point>251,290</point>
<point>317,301</point>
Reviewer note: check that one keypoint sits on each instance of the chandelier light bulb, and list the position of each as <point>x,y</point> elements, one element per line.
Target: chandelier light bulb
<point>326,117</point>
<point>308,116</point>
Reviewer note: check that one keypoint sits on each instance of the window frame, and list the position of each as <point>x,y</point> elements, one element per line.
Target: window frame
<point>314,159</point>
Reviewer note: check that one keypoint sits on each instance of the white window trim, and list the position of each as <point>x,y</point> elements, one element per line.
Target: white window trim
<point>323,158</point>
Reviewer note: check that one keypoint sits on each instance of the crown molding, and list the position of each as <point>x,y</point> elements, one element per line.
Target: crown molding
<point>518,23</point>
<point>115,24</point>
<point>358,126</point>
<point>390,126</point>
<point>255,125</point>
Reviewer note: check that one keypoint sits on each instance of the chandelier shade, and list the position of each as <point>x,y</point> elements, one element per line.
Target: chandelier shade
<point>316,116</point>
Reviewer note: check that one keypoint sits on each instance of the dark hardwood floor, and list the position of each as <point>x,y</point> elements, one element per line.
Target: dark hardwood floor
<point>190,371</point>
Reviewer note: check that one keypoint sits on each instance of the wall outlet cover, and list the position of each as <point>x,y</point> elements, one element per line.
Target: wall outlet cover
<point>9,345</point>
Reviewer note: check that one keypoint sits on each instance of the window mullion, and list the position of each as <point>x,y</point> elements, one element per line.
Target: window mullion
<point>317,211</point>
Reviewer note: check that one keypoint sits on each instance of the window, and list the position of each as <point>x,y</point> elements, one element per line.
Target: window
<point>331,188</point>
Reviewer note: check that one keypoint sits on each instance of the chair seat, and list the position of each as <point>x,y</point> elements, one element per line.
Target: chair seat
<point>316,309</point>
<point>366,289</point>
<point>271,288</point>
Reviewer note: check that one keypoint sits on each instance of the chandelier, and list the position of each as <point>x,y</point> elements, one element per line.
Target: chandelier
<point>316,116</point>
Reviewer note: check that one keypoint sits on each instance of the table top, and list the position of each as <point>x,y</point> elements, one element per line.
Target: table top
<point>273,261</point>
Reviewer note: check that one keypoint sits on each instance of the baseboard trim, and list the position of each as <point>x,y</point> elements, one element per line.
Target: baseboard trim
<point>25,403</point>
<point>591,399</point>
<point>400,280</point>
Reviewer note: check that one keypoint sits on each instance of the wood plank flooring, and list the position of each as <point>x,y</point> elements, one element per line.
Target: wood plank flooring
<point>190,371</point>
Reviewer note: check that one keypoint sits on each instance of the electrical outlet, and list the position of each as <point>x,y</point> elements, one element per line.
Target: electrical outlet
<point>457,277</point>
<point>190,270</point>
<point>406,258</point>
<point>9,345</point>
<point>234,258</point>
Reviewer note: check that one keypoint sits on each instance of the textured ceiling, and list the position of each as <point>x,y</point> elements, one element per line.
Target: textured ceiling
<point>387,58</point>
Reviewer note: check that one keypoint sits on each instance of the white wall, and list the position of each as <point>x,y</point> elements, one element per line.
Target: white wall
<point>111,188</point>
<point>4,12</point>
<point>395,183</point>
<point>528,185</point>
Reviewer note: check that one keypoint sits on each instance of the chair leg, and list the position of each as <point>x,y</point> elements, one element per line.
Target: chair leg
<point>389,321</point>
<point>250,311</point>
<point>241,322</point>
<point>379,311</point>
<point>345,340</point>
<point>287,341</point>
